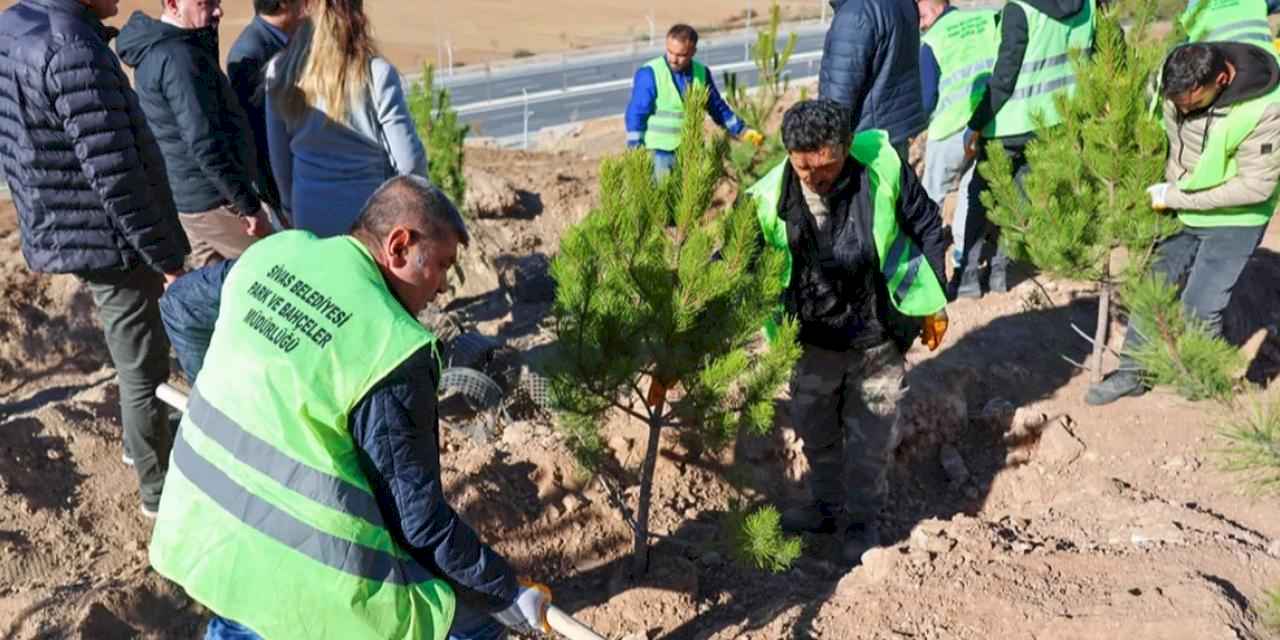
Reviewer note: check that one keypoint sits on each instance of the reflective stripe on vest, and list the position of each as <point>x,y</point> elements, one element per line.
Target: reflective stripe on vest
<point>1229,21</point>
<point>267,517</point>
<point>965,44</point>
<point>914,289</point>
<point>1217,165</point>
<point>1046,70</point>
<point>662,130</point>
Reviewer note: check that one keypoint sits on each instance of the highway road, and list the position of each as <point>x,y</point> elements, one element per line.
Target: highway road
<point>540,76</point>
<point>505,120</point>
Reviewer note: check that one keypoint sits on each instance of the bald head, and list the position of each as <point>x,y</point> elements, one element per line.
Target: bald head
<point>413,232</point>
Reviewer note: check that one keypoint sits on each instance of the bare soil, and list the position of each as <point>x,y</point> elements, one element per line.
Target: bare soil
<point>1074,522</point>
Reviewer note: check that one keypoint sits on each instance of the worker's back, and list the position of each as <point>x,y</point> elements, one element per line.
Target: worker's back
<point>1228,21</point>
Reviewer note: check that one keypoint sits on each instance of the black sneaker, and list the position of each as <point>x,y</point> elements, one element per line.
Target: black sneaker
<point>1115,386</point>
<point>860,538</point>
<point>815,517</point>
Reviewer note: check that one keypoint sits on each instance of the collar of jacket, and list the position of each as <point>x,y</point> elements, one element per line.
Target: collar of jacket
<point>80,11</point>
<point>1257,73</point>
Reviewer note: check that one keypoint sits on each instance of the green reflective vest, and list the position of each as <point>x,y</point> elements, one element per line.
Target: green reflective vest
<point>1046,70</point>
<point>914,289</point>
<point>1229,21</point>
<point>266,516</point>
<point>662,130</point>
<point>1217,164</point>
<point>965,43</point>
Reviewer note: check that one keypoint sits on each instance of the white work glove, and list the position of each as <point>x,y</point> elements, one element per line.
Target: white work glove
<point>1159,194</point>
<point>528,614</point>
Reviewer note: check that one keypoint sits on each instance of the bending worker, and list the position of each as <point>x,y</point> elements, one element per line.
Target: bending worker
<point>957,52</point>
<point>1033,66</point>
<point>304,497</point>
<point>865,251</point>
<point>656,109</point>
<point>1222,117</point>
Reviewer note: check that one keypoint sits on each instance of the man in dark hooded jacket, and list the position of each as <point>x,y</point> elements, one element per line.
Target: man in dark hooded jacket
<point>1032,67</point>
<point>203,132</point>
<point>870,65</point>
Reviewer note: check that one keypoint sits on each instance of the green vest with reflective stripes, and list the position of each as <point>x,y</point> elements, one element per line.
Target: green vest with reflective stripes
<point>965,44</point>
<point>914,289</point>
<point>662,130</point>
<point>1046,70</point>
<point>1229,21</point>
<point>1217,164</point>
<point>266,516</point>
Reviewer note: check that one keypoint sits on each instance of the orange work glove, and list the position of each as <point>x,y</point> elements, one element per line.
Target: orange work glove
<point>935,327</point>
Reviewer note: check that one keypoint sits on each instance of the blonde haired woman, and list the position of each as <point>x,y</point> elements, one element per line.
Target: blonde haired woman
<point>338,124</point>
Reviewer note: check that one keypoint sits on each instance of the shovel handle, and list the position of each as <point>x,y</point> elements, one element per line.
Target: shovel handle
<point>561,622</point>
<point>565,625</point>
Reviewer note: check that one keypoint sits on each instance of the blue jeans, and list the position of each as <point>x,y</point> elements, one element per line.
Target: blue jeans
<point>468,624</point>
<point>663,161</point>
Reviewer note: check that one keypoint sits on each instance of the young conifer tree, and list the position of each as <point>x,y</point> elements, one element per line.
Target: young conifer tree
<point>755,107</point>
<point>441,134</point>
<point>658,294</point>
<point>1082,211</point>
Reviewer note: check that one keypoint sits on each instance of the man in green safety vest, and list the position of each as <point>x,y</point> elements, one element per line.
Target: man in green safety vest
<point>1033,66</point>
<point>1222,117</point>
<point>957,52</point>
<point>865,250</point>
<point>304,497</point>
<point>656,109</point>
<point>1230,21</point>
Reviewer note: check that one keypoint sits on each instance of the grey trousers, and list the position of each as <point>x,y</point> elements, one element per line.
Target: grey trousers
<point>1206,262</point>
<point>845,407</point>
<point>128,306</point>
<point>945,171</point>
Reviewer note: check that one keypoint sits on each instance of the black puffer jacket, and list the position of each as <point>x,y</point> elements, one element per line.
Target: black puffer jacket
<point>871,64</point>
<point>205,135</point>
<point>86,174</point>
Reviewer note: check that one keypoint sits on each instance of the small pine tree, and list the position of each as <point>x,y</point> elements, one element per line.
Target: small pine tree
<point>757,540</point>
<point>1253,446</point>
<point>1083,203</point>
<point>442,133</point>
<point>748,162</point>
<point>654,287</point>
<point>1271,611</point>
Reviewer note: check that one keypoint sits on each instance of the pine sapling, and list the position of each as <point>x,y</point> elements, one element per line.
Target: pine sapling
<point>756,106</point>
<point>757,540</point>
<point>659,305</point>
<point>442,133</point>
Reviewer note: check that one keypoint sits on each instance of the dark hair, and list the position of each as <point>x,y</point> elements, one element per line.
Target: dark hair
<point>811,125</point>
<point>1190,66</point>
<point>683,33</point>
<point>412,201</point>
<point>270,7</point>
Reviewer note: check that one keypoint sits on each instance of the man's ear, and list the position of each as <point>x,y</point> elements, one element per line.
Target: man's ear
<point>397,246</point>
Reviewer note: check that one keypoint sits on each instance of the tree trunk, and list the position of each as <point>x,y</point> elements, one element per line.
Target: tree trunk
<point>1104,324</point>
<point>640,553</point>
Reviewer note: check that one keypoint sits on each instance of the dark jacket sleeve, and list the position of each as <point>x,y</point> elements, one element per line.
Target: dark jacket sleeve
<point>195,104</point>
<point>847,55</point>
<point>1273,7</point>
<point>92,105</point>
<point>919,218</point>
<point>930,74</point>
<point>397,432</point>
<point>245,65</point>
<point>1013,47</point>
<point>189,309</point>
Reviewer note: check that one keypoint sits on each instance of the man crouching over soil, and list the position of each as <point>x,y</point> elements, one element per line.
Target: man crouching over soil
<point>304,497</point>
<point>865,246</point>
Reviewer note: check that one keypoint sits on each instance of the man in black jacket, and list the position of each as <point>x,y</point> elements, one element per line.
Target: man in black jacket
<point>1032,67</point>
<point>826,206</point>
<point>870,64</point>
<point>89,184</point>
<point>266,35</point>
<point>203,132</point>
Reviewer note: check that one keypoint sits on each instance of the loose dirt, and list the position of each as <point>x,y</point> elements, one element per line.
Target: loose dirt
<point>1050,519</point>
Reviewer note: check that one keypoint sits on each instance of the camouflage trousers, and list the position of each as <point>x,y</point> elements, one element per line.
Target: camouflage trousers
<point>845,407</point>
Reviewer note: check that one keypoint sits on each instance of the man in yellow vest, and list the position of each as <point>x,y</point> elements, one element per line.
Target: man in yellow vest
<point>1222,117</point>
<point>656,108</point>
<point>304,497</point>
<point>1033,66</point>
<point>1230,21</point>
<point>957,52</point>
<point>865,252</point>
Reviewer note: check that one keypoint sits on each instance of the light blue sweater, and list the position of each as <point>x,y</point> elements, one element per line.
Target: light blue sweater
<point>326,170</point>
